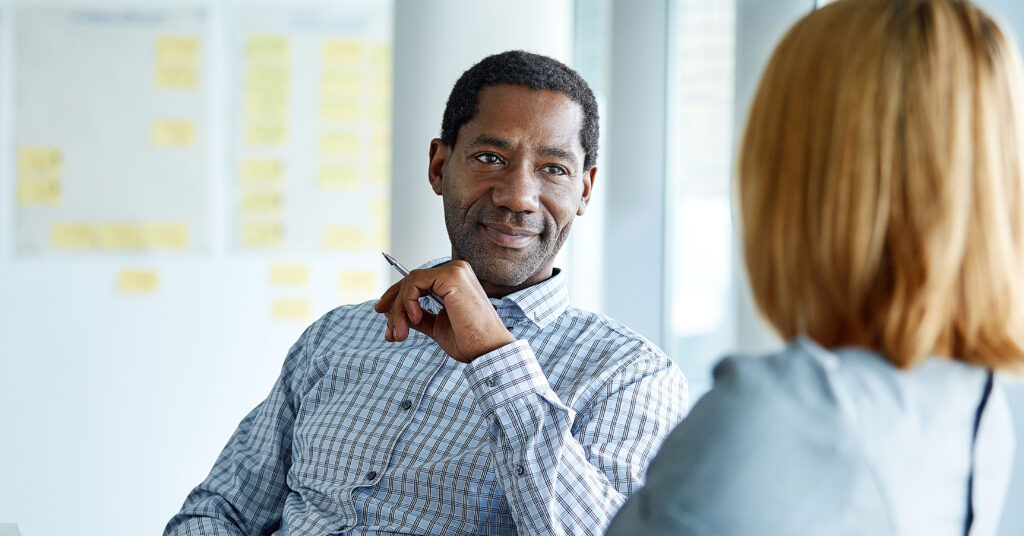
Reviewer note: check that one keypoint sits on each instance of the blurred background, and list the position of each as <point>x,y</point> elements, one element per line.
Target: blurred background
<point>185,185</point>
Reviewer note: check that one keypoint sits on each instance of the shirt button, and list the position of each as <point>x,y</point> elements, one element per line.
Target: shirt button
<point>520,470</point>
<point>406,404</point>
<point>493,381</point>
<point>510,326</point>
<point>371,475</point>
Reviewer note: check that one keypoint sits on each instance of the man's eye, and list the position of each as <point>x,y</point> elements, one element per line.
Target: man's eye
<point>555,170</point>
<point>488,158</point>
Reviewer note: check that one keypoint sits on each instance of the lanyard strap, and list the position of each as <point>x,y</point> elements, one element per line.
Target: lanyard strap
<point>969,520</point>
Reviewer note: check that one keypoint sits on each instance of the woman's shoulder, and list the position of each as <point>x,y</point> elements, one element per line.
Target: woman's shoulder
<point>783,390</point>
<point>773,435</point>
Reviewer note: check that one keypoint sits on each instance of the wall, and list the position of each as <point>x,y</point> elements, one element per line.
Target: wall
<point>116,405</point>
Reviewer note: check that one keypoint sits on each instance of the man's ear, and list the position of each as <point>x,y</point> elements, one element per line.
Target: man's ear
<point>439,153</point>
<point>588,186</point>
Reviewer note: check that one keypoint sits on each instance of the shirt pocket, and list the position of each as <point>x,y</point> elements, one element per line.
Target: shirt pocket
<point>334,432</point>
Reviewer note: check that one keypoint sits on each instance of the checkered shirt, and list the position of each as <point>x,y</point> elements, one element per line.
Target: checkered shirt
<point>547,435</point>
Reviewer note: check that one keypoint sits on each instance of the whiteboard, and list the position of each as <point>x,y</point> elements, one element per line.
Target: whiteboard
<point>312,120</point>
<point>110,129</point>
<point>136,335</point>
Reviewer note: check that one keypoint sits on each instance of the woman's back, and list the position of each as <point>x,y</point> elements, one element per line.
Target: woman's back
<point>811,441</point>
<point>880,197</point>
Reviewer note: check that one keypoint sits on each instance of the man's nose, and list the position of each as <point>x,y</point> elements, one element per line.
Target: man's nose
<point>518,189</point>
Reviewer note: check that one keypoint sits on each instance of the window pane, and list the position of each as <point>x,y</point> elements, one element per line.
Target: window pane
<point>700,238</point>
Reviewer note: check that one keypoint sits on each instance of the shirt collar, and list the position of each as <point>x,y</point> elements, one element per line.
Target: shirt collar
<point>541,303</point>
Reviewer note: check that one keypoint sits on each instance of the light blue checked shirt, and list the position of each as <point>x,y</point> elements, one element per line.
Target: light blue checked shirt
<point>547,435</point>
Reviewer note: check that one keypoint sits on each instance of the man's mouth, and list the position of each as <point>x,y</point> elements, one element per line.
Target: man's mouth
<point>508,236</point>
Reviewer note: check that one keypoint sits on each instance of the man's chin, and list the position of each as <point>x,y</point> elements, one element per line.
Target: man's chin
<point>504,274</point>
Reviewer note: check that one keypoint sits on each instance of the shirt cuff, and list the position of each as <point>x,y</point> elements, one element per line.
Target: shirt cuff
<point>510,372</point>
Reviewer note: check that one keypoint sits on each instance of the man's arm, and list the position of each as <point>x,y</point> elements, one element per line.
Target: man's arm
<point>557,480</point>
<point>561,480</point>
<point>245,491</point>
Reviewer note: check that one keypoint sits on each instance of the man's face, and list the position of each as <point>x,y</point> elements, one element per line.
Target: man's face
<point>513,184</point>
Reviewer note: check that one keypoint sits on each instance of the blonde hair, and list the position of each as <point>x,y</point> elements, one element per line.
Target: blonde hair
<point>879,183</point>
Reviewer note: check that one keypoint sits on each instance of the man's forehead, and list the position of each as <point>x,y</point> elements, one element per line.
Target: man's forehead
<point>505,112</point>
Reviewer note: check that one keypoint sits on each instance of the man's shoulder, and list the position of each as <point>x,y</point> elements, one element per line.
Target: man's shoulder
<point>597,328</point>
<point>344,324</point>
<point>609,349</point>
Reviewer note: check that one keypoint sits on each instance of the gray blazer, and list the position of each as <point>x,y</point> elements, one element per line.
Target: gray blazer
<point>818,442</point>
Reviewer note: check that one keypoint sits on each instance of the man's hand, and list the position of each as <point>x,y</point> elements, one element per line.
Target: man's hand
<point>468,326</point>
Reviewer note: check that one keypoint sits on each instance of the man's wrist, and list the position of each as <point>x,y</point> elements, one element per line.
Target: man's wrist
<point>508,373</point>
<point>497,343</point>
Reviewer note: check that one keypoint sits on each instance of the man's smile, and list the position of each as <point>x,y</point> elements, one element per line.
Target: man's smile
<point>508,236</point>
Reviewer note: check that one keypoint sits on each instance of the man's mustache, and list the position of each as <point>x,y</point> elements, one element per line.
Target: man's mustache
<point>530,221</point>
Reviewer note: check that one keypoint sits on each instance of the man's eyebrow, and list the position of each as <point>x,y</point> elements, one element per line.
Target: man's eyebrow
<point>552,151</point>
<point>559,153</point>
<point>488,141</point>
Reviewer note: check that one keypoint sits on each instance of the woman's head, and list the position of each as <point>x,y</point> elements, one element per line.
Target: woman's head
<point>879,183</point>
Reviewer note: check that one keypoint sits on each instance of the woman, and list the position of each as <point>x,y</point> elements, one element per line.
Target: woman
<point>880,199</point>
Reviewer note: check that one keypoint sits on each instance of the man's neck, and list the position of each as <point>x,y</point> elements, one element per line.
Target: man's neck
<point>500,291</point>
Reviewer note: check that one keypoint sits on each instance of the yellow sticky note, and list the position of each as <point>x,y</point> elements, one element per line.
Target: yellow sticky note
<point>177,77</point>
<point>343,238</point>
<point>177,49</point>
<point>36,192</point>
<point>134,281</point>
<point>262,170</point>
<point>40,163</point>
<point>341,83</point>
<point>358,285</point>
<point>120,237</point>
<point>270,133</point>
<point>339,143</point>
<point>290,309</point>
<point>289,275</point>
<point>262,202</point>
<point>380,144</point>
<point>268,79</point>
<point>338,178</point>
<point>266,104</point>
<point>173,133</point>
<point>267,49</point>
<point>165,235</point>
<point>381,54</point>
<point>380,111</point>
<point>262,234</point>
<point>339,109</point>
<point>342,51</point>
<point>72,236</point>
<point>383,85</point>
<point>358,280</point>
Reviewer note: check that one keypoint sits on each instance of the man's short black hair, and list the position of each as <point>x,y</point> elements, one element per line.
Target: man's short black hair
<point>517,67</point>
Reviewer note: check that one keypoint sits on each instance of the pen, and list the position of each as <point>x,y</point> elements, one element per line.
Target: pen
<point>438,301</point>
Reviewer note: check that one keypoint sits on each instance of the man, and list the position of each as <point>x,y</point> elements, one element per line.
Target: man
<point>506,411</point>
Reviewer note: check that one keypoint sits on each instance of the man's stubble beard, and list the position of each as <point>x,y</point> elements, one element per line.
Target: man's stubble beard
<point>467,244</point>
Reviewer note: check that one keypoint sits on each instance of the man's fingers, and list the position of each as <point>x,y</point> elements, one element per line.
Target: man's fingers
<point>384,303</point>
<point>426,324</point>
<point>405,311</point>
<point>399,325</point>
<point>410,297</point>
